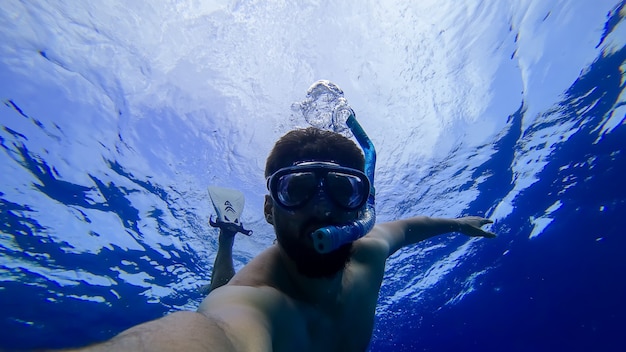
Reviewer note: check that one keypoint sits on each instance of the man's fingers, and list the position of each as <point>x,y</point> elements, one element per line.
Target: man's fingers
<point>487,234</point>
<point>490,234</point>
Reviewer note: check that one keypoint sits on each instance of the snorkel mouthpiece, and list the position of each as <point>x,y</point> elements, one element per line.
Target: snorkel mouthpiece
<point>326,108</point>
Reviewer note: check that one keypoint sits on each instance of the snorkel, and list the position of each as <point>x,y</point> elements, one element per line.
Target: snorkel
<point>328,239</point>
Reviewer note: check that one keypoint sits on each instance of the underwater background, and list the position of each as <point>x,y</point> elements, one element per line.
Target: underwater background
<point>116,116</point>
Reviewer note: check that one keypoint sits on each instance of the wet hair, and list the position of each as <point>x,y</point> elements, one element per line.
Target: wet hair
<point>313,144</point>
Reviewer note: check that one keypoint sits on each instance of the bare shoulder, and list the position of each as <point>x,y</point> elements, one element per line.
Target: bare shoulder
<point>245,314</point>
<point>236,296</point>
<point>375,246</point>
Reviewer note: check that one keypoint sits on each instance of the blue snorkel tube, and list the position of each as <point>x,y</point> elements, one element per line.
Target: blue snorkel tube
<point>322,97</point>
<point>329,238</point>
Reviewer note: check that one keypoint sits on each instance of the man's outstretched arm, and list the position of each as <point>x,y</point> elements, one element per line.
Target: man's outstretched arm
<point>400,233</point>
<point>180,331</point>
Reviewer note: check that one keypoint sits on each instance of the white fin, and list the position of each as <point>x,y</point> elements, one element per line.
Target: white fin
<point>228,204</point>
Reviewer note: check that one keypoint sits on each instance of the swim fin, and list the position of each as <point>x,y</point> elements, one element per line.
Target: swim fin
<point>228,204</point>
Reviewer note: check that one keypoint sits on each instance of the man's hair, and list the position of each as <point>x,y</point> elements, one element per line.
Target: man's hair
<point>312,144</point>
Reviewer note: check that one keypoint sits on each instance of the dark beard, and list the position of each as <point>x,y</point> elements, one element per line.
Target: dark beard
<point>312,264</point>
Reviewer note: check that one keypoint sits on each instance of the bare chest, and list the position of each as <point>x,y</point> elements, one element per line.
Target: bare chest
<point>342,327</point>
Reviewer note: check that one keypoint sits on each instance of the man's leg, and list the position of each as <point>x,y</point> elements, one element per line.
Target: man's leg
<point>223,269</point>
<point>230,202</point>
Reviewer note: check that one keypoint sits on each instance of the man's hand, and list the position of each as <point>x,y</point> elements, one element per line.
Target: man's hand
<point>472,226</point>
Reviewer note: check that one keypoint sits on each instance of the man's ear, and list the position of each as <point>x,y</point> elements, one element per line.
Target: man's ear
<point>268,209</point>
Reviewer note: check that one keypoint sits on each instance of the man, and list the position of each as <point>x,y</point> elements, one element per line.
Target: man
<point>290,297</point>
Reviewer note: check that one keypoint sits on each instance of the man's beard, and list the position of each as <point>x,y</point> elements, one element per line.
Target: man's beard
<point>312,264</point>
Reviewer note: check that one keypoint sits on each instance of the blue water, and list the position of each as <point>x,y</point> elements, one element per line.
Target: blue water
<point>116,118</point>
<point>562,290</point>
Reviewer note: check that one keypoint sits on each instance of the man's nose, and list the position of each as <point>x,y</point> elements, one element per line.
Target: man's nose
<point>322,206</point>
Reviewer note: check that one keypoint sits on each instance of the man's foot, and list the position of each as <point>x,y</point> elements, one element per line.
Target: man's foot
<point>230,227</point>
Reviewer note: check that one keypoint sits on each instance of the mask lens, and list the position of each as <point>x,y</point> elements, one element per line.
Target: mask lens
<point>292,187</point>
<point>296,188</point>
<point>349,191</point>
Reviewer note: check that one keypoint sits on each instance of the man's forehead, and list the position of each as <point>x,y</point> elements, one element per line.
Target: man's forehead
<point>330,161</point>
<point>316,161</point>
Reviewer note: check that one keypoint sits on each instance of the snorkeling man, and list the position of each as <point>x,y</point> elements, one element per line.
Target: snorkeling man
<point>292,297</point>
